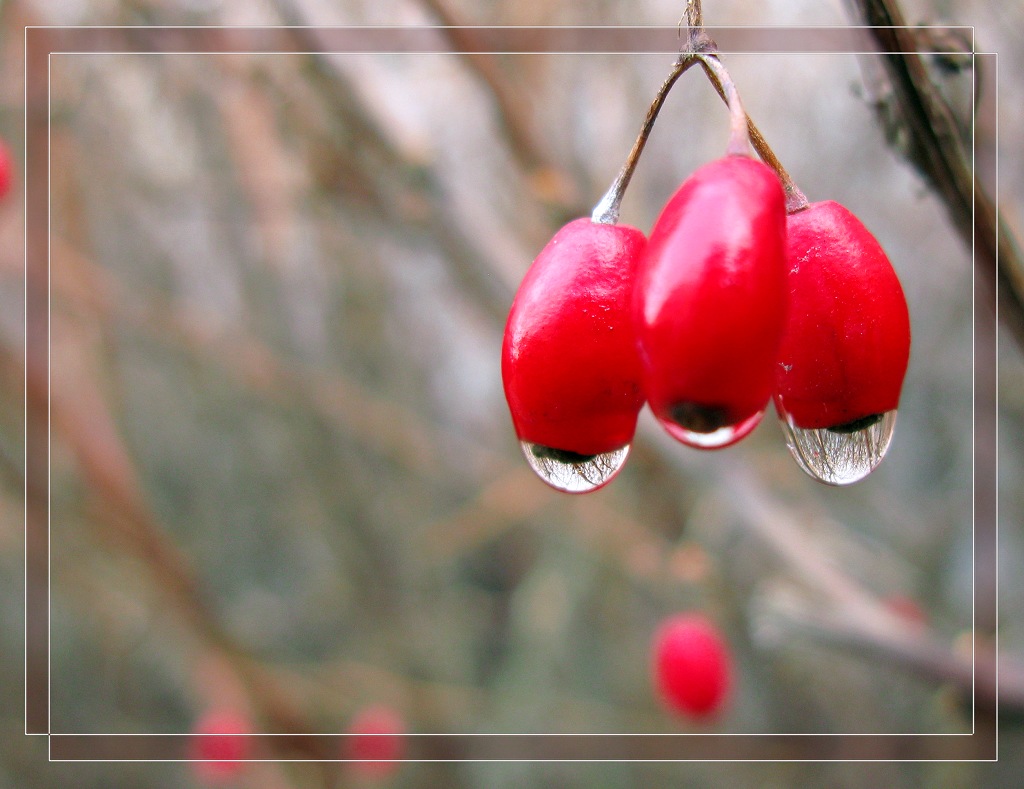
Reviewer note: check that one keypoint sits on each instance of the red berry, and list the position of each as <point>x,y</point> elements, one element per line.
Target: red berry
<point>907,609</point>
<point>711,302</point>
<point>6,170</point>
<point>692,670</point>
<point>376,735</point>
<point>847,342</point>
<point>221,744</point>
<point>569,360</point>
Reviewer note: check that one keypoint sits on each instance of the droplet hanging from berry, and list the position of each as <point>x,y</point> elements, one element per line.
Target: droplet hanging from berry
<point>570,365</point>
<point>845,350</point>
<point>572,472</point>
<point>844,454</point>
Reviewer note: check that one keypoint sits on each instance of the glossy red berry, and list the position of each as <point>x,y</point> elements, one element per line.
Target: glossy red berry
<point>692,668</point>
<point>376,739</point>
<point>711,302</point>
<point>220,745</point>
<point>569,360</point>
<point>847,342</point>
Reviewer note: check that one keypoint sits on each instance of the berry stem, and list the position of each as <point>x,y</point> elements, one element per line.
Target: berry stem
<point>744,134</point>
<point>795,199</point>
<point>694,16</point>
<point>739,137</point>
<point>606,212</point>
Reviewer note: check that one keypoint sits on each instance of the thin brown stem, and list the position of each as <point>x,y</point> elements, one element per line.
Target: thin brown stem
<point>694,15</point>
<point>697,42</point>
<point>606,212</point>
<point>744,133</point>
<point>795,198</point>
<point>739,138</point>
<point>700,41</point>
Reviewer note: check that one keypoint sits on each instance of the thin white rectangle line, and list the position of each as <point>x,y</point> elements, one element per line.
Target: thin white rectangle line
<point>556,761</point>
<point>24,401</point>
<point>996,397</point>
<point>974,417</point>
<point>399,28</point>
<point>418,734</point>
<point>49,399</point>
<point>422,52</point>
<point>49,552</point>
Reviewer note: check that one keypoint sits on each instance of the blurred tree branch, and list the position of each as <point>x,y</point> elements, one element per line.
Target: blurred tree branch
<point>936,150</point>
<point>849,615</point>
<point>550,183</point>
<point>409,190</point>
<point>88,429</point>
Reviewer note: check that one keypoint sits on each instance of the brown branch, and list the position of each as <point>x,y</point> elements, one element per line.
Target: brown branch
<point>408,194</point>
<point>937,152</point>
<point>82,420</point>
<point>850,616</point>
<point>87,428</point>
<point>548,180</point>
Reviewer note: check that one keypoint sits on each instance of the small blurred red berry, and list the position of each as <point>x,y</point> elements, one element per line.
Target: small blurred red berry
<point>692,671</point>
<point>6,170</point>
<point>376,738</point>
<point>220,744</point>
<point>907,609</point>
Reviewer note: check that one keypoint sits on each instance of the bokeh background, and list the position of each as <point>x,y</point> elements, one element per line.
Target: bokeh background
<point>284,479</point>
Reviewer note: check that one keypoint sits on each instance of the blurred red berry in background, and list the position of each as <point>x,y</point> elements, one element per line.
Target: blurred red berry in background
<point>376,735</point>
<point>6,170</point>
<point>221,742</point>
<point>692,671</point>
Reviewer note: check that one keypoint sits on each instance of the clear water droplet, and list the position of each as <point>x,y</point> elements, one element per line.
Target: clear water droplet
<point>840,457</point>
<point>571,472</point>
<point>715,439</point>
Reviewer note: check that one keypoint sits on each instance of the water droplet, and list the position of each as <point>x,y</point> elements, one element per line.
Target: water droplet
<point>572,472</point>
<point>713,438</point>
<point>841,455</point>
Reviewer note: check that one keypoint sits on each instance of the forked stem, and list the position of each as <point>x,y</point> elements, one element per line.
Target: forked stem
<point>743,135</point>
<point>795,199</point>
<point>606,212</point>
<point>739,137</point>
<point>694,16</point>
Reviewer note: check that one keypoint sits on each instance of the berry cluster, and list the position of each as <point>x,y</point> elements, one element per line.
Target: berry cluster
<point>743,293</point>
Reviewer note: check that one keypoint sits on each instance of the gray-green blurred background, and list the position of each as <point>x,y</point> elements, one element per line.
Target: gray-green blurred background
<point>278,289</point>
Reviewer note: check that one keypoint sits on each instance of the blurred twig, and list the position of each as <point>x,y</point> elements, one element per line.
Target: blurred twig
<point>550,182</point>
<point>376,422</point>
<point>410,191</point>
<point>936,150</point>
<point>87,428</point>
<point>851,616</point>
